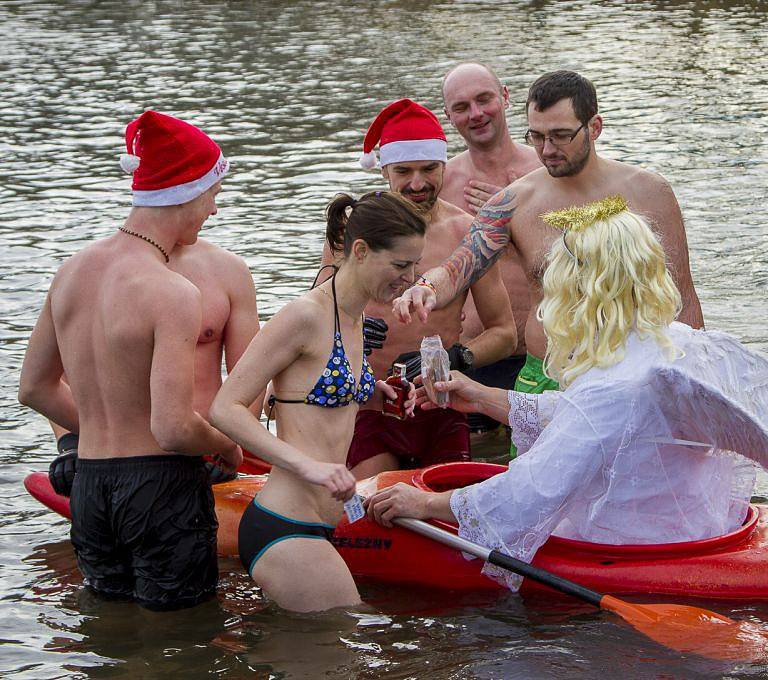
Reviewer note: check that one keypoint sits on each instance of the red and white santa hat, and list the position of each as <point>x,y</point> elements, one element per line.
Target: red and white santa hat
<point>172,162</point>
<point>405,131</point>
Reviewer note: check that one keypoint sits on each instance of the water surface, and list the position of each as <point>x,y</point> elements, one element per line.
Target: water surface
<point>288,89</point>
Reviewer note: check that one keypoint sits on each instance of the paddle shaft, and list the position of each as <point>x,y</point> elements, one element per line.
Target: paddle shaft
<point>500,560</point>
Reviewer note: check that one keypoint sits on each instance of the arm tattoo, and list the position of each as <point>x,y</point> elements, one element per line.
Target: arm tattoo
<point>480,248</point>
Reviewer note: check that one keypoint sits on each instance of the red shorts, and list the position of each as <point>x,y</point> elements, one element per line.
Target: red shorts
<point>434,436</point>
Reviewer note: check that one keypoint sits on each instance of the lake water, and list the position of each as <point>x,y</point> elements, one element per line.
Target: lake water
<point>288,89</point>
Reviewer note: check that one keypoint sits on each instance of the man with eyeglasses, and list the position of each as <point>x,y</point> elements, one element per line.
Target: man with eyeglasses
<point>563,125</point>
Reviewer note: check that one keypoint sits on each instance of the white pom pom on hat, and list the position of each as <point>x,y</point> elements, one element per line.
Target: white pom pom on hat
<point>129,163</point>
<point>369,161</point>
<point>172,162</point>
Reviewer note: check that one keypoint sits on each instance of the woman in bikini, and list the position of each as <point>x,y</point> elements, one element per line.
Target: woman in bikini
<point>312,351</point>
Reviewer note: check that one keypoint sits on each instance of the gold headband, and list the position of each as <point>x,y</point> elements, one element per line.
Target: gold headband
<point>578,218</point>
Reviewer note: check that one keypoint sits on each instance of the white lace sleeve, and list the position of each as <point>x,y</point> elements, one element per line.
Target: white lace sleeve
<point>516,510</point>
<point>529,414</point>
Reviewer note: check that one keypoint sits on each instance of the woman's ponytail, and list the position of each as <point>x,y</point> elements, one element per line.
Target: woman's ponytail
<point>337,219</point>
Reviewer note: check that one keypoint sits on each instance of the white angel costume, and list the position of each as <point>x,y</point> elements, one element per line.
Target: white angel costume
<point>649,450</point>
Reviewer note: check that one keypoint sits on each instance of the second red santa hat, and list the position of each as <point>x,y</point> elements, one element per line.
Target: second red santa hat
<point>405,131</point>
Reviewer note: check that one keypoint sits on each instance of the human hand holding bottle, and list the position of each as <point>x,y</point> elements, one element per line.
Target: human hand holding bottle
<point>383,391</point>
<point>466,394</point>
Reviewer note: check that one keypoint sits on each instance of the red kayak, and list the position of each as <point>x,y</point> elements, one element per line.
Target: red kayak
<point>253,465</point>
<point>733,567</point>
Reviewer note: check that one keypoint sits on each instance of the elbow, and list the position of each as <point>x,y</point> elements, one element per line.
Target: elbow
<point>28,395</point>
<point>24,396</point>
<point>506,337</point>
<point>217,415</point>
<point>511,338</point>
<point>234,419</point>
<point>691,312</point>
<point>172,436</point>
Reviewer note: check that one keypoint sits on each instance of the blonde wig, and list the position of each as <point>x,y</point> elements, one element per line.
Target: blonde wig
<point>605,277</point>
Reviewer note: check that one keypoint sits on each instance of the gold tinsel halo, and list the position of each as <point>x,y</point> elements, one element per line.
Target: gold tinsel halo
<point>579,217</point>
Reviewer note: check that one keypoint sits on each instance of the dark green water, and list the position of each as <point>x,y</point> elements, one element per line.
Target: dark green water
<point>288,89</point>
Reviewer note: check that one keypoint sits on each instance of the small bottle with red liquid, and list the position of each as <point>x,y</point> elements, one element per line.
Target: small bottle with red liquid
<point>396,407</point>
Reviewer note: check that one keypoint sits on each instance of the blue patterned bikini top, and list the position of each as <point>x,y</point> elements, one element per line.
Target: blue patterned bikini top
<point>337,385</point>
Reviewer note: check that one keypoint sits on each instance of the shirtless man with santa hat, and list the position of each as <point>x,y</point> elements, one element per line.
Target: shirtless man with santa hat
<point>124,327</point>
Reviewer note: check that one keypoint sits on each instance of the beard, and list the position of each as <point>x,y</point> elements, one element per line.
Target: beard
<point>429,201</point>
<point>573,166</point>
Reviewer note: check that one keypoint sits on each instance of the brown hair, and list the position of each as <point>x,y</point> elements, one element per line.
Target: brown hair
<point>550,88</point>
<point>378,218</point>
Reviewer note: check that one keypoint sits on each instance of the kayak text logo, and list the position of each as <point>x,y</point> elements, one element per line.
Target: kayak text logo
<point>364,542</point>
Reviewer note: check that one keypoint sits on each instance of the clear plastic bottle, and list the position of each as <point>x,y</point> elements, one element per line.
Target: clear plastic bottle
<point>435,367</point>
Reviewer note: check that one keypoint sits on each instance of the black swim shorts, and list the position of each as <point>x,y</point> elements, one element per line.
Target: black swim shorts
<point>144,528</point>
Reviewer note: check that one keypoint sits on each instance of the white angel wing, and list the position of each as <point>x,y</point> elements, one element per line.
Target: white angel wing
<point>718,397</point>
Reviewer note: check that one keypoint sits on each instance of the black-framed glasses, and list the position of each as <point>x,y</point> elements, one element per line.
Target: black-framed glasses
<point>555,138</point>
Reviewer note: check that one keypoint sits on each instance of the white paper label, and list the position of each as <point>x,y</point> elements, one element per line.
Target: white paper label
<point>354,509</point>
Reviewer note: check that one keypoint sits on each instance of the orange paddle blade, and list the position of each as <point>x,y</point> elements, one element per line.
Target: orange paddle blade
<point>696,630</point>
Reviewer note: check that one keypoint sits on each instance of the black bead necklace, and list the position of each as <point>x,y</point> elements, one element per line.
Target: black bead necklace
<point>147,239</point>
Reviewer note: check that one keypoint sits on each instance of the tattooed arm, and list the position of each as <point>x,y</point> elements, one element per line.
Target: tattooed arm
<point>488,236</point>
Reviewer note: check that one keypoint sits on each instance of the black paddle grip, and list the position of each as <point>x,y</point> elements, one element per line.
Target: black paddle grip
<point>563,585</point>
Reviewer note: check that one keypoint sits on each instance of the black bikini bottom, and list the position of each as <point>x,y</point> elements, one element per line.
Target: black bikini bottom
<point>260,528</point>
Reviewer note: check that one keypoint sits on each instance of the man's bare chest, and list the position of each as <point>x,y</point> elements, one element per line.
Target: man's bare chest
<point>439,244</point>
<point>214,302</point>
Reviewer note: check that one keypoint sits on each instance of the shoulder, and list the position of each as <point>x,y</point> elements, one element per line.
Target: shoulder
<point>602,415</point>
<point>652,196</point>
<point>530,191</point>
<point>70,266</point>
<point>72,276</point>
<point>646,178</point>
<point>168,302</point>
<point>302,316</point>
<point>590,397</point>
<point>229,267</point>
<point>457,165</point>
<point>638,181</point>
<point>656,191</point>
<point>455,178</point>
<point>526,160</point>
<point>219,256</point>
<point>173,289</point>
<point>454,219</point>
<point>96,254</point>
<point>531,182</point>
<point>448,211</point>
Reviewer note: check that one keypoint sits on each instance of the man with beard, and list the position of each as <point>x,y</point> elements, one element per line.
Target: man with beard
<point>563,124</point>
<point>475,102</point>
<point>413,155</point>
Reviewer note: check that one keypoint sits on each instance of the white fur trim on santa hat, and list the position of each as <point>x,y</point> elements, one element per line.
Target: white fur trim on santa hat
<point>182,193</point>
<point>414,150</point>
<point>129,163</point>
<point>368,161</point>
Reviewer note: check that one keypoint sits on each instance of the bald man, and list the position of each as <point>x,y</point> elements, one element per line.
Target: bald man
<point>475,102</point>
